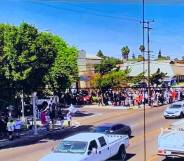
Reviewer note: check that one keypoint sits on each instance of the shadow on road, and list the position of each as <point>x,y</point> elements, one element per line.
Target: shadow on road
<point>129,156</point>
<point>82,114</point>
<point>131,137</point>
<point>55,135</point>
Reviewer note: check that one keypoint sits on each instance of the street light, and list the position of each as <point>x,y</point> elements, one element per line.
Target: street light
<point>22,100</point>
<point>34,97</point>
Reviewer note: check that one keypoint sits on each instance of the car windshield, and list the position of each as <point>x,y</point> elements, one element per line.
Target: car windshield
<point>175,106</point>
<point>71,147</point>
<point>102,129</point>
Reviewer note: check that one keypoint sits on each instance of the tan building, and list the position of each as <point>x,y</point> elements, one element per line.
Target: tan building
<point>86,63</point>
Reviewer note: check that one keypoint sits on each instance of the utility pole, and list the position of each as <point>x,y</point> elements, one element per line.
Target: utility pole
<point>148,28</point>
<point>146,25</point>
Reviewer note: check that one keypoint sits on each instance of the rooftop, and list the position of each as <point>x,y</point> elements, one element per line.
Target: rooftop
<point>171,69</point>
<point>90,56</point>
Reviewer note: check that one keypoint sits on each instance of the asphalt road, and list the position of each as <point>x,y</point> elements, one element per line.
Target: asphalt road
<point>95,116</point>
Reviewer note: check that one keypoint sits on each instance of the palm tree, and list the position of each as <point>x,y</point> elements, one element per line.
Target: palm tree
<point>142,48</point>
<point>125,52</point>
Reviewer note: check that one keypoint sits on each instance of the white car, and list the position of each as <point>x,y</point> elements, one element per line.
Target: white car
<point>175,110</point>
<point>89,147</point>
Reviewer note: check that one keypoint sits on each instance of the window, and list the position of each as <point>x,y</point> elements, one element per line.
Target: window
<point>92,145</point>
<point>71,147</point>
<point>102,141</point>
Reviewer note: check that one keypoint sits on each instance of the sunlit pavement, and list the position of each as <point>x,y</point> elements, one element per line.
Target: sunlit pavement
<point>134,118</point>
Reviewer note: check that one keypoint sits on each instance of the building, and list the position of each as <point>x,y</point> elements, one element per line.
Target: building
<point>175,72</point>
<point>86,63</point>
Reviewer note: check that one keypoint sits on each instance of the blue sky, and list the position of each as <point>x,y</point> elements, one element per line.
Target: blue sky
<point>107,25</point>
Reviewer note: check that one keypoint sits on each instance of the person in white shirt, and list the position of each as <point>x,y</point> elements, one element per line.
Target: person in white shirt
<point>18,124</point>
<point>69,118</point>
<point>10,128</point>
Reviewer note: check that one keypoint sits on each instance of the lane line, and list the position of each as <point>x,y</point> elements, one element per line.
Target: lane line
<point>153,158</point>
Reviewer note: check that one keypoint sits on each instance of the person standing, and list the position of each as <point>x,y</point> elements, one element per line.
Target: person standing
<point>18,124</point>
<point>61,118</point>
<point>69,118</point>
<point>10,128</point>
<point>1,129</point>
<point>43,118</point>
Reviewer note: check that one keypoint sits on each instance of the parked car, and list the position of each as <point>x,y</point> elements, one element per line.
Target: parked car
<point>89,147</point>
<point>113,129</point>
<point>176,110</point>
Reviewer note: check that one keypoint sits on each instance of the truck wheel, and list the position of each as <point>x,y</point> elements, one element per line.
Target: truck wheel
<point>122,153</point>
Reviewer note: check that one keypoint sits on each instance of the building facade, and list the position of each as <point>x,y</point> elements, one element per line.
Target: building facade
<point>86,63</point>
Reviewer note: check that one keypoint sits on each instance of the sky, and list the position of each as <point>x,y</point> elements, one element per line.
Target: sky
<point>104,24</point>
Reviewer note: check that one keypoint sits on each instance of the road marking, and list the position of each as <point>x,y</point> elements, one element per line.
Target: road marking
<point>153,158</point>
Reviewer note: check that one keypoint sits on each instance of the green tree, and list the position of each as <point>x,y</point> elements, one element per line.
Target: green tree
<point>64,70</point>
<point>27,56</point>
<point>125,52</point>
<point>157,77</point>
<point>106,65</point>
<point>138,78</point>
<point>142,48</point>
<point>100,54</point>
<point>159,54</point>
<point>112,79</point>
<point>30,60</point>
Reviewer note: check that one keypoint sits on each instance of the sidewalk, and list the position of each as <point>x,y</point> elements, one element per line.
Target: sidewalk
<point>28,137</point>
<point>115,107</point>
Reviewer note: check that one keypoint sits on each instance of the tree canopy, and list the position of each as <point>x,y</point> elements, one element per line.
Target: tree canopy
<point>30,60</point>
<point>106,65</point>
<point>125,52</point>
<point>100,54</point>
<point>156,78</point>
<point>115,78</point>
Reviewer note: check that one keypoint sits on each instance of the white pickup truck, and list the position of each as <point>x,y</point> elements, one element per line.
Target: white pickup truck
<point>171,141</point>
<point>89,147</point>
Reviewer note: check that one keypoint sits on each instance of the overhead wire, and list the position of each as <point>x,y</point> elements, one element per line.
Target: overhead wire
<point>88,11</point>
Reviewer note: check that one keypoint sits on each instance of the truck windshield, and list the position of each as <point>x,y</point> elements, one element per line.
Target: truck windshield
<point>175,106</point>
<point>71,147</point>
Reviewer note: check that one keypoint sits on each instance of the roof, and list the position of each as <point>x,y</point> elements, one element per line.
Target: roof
<point>137,68</point>
<point>90,56</point>
<point>86,137</point>
<point>178,69</point>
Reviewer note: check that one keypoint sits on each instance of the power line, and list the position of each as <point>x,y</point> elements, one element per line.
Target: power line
<point>91,12</point>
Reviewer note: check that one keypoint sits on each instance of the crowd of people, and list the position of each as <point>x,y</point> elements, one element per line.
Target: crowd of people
<point>10,128</point>
<point>49,112</point>
<point>126,96</point>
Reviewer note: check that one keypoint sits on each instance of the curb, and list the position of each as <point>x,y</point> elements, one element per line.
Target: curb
<point>31,138</point>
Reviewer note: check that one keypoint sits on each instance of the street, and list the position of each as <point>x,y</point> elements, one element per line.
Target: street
<point>134,118</point>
